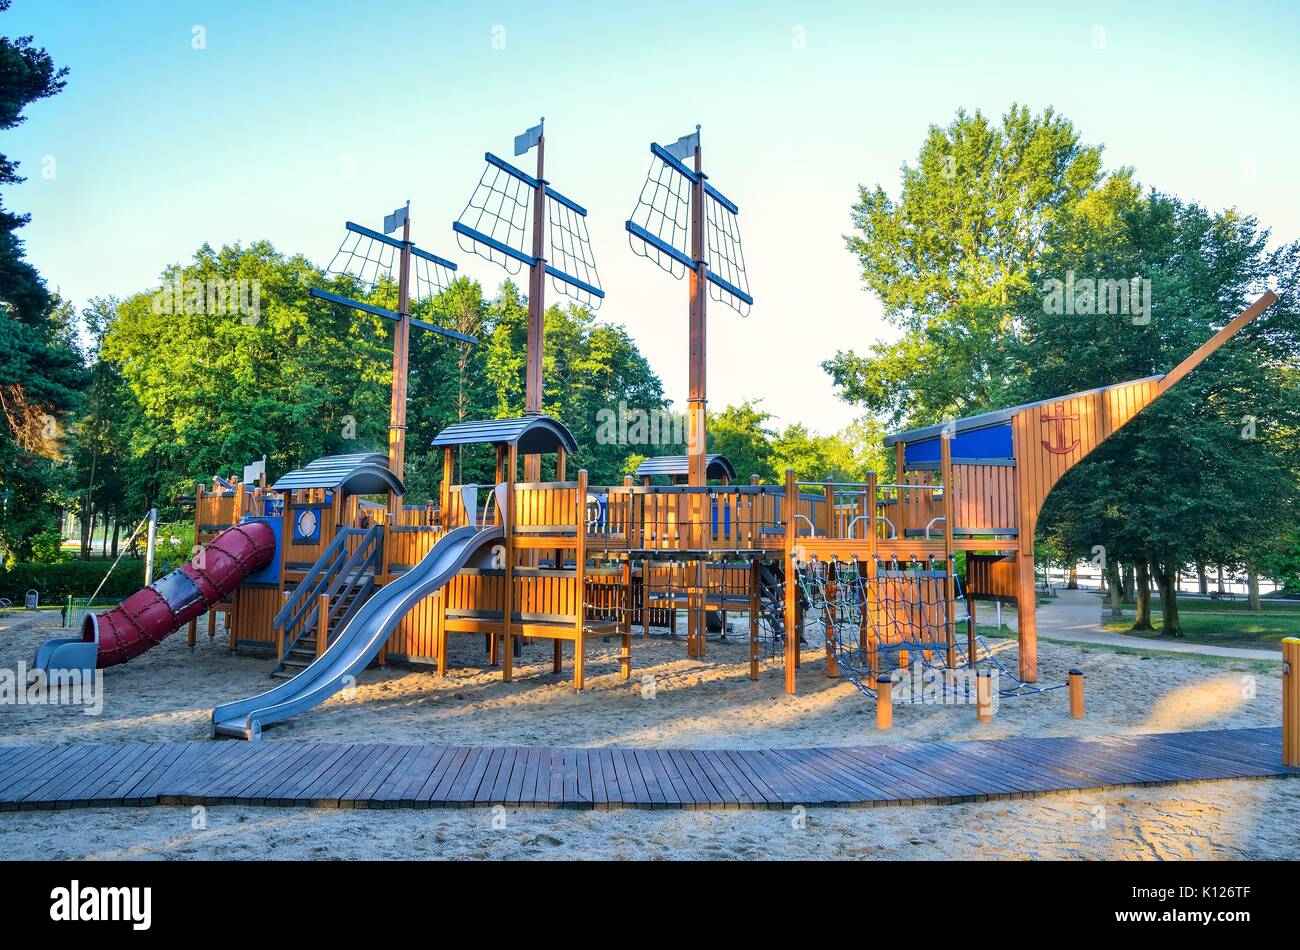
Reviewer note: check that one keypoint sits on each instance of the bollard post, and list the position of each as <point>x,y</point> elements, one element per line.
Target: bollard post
<point>1076,694</point>
<point>1291,701</point>
<point>884,702</point>
<point>984,695</point>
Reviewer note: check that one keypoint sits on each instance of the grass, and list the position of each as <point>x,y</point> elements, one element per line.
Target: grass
<point>1222,625</point>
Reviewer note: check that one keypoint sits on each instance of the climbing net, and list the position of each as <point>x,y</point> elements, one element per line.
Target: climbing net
<point>571,252</point>
<point>497,208</point>
<point>374,264</point>
<point>726,253</point>
<point>663,209</point>
<point>496,226</point>
<point>895,619</point>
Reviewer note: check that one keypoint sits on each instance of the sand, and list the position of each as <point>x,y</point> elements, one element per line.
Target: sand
<point>671,701</point>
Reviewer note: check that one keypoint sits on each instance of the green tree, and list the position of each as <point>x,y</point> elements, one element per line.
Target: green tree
<point>1208,473</point>
<point>40,369</point>
<point>949,258</point>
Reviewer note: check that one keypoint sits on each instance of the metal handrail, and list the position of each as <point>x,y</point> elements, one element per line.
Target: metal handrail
<point>306,583</point>
<point>931,524</point>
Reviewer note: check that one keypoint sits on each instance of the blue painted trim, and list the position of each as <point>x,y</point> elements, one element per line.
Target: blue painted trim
<point>509,169</point>
<point>580,284</point>
<point>662,154</point>
<point>660,245</point>
<point>390,315</point>
<point>355,304</point>
<point>729,288</point>
<point>720,198</point>
<point>567,202</point>
<point>434,328</point>
<point>373,235</point>
<point>493,243</point>
<point>441,261</point>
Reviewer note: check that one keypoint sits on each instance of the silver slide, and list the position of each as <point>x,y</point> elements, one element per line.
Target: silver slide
<point>359,640</point>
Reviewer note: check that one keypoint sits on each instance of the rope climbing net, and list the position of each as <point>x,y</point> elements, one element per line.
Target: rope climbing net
<point>895,619</point>
<point>496,225</point>
<point>571,253</point>
<point>726,253</point>
<point>373,263</point>
<point>663,210</point>
<point>497,208</point>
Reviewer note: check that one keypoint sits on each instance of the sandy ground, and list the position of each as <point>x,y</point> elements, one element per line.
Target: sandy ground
<point>671,701</point>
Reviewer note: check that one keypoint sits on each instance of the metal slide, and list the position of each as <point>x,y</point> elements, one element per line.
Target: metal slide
<point>357,642</point>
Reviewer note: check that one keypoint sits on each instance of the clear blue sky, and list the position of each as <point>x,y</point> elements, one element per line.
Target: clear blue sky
<point>159,147</point>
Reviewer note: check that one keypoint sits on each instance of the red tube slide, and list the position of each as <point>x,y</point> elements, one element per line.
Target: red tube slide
<point>145,618</point>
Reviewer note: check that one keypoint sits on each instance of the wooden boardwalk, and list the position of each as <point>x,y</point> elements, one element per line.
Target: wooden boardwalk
<point>347,775</point>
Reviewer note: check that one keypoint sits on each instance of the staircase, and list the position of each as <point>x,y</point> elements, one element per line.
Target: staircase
<point>346,580</point>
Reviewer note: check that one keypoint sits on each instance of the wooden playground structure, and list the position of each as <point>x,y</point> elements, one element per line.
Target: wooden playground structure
<point>582,561</point>
<point>579,561</point>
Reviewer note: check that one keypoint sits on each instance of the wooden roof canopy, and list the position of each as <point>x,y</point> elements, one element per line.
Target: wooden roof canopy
<point>533,435</point>
<point>365,473</point>
<point>678,466</point>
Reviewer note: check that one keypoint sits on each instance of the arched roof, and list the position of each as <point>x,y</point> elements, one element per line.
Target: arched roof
<point>365,473</point>
<point>534,435</point>
<point>719,466</point>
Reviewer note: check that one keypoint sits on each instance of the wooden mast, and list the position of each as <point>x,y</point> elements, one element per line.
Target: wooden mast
<point>697,425</point>
<point>401,364</point>
<point>536,309</point>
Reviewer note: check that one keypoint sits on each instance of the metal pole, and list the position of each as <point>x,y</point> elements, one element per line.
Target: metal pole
<point>536,310</point>
<point>150,545</point>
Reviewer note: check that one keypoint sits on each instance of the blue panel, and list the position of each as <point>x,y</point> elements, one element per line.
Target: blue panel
<point>493,243</point>
<point>269,575</point>
<point>992,442</point>
<point>372,234</point>
<point>662,154</point>
<point>729,288</point>
<point>509,169</point>
<point>720,198</point>
<point>440,261</point>
<point>567,202</point>
<point>573,281</point>
<point>660,245</point>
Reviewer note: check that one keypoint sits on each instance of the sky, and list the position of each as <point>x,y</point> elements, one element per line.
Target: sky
<point>294,117</point>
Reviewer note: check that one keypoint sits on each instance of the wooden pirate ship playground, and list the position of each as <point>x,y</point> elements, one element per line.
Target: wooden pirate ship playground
<point>339,573</point>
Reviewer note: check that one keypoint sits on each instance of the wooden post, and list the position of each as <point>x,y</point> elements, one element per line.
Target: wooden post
<point>580,570</point>
<point>322,623</point>
<point>884,702</point>
<point>832,668</point>
<point>1291,701</point>
<point>791,508</point>
<point>984,695</point>
<point>755,581</point>
<point>625,622</point>
<point>508,589</point>
<point>401,358</point>
<point>949,562</point>
<point>1076,694</point>
<point>192,634</point>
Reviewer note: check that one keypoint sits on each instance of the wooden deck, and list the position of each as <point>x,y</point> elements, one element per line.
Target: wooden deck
<point>347,775</point>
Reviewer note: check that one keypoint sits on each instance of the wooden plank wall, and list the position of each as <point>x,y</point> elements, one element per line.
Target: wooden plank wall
<point>984,498</point>
<point>253,610</point>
